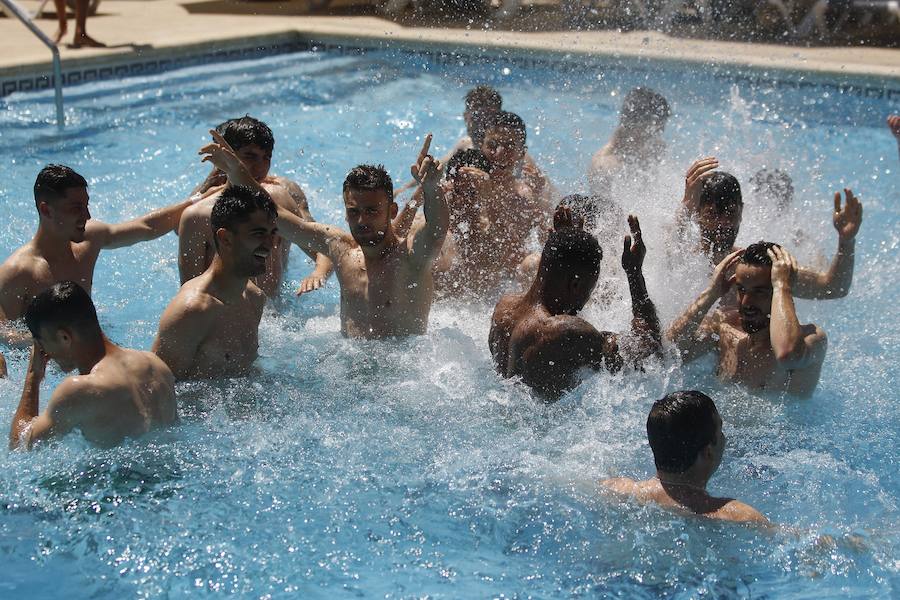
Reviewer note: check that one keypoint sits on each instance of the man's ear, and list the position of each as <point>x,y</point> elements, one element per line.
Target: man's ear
<point>64,336</point>
<point>44,209</point>
<point>223,236</point>
<point>392,210</point>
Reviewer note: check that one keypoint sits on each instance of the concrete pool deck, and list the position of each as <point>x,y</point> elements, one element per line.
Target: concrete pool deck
<point>136,29</point>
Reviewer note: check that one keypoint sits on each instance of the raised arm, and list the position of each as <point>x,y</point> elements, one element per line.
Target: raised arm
<point>27,424</point>
<point>429,240</point>
<point>149,227</point>
<point>795,347</point>
<point>693,182</point>
<point>193,236</point>
<point>692,332</point>
<point>404,220</point>
<point>836,281</point>
<point>644,322</point>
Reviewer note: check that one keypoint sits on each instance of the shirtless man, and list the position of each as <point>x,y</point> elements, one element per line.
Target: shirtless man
<point>538,335</point>
<point>211,328</point>
<point>386,281</point>
<point>67,244</point>
<point>893,122</point>
<point>117,394</point>
<point>713,199</point>
<point>253,142</point>
<point>760,342</point>
<point>637,141</point>
<point>685,433</point>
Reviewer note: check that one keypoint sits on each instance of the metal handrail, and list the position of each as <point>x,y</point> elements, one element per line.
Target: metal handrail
<point>22,15</point>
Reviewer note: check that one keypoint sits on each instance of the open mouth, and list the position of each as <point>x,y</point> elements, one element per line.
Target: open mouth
<point>261,254</point>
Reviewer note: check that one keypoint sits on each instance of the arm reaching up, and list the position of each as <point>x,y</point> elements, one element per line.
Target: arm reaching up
<point>428,241</point>
<point>693,182</point>
<point>644,322</point>
<point>794,347</point>
<point>836,281</point>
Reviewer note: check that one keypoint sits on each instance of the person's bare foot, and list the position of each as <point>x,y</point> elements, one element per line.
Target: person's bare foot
<point>82,40</point>
<point>60,34</point>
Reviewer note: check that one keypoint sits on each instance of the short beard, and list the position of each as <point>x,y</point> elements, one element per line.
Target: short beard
<point>752,327</point>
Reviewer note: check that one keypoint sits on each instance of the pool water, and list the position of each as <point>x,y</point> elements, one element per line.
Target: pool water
<point>407,468</point>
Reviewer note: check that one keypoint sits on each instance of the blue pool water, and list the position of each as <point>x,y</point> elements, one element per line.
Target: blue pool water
<point>408,468</point>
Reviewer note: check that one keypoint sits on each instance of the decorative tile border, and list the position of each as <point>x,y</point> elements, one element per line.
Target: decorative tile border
<point>862,88</point>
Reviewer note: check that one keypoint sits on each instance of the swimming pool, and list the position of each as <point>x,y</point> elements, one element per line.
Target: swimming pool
<point>408,468</point>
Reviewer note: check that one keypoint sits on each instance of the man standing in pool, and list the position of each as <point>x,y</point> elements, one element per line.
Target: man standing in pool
<point>253,142</point>
<point>760,342</point>
<point>67,243</point>
<point>211,328</point>
<point>386,281</point>
<point>713,199</point>
<point>118,393</point>
<point>538,335</point>
<point>685,434</point>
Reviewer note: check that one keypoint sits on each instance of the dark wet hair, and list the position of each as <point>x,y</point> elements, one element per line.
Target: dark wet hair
<point>369,177</point>
<point>644,106</point>
<point>508,120</point>
<point>470,157</point>
<point>774,184</point>
<point>246,130</point>
<point>236,204</point>
<point>483,98</point>
<point>679,426</point>
<point>722,190</point>
<point>64,304</point>
<point>52,182</point>
<point>570,250</point>
<point>586,207</point>
<point>757,254</point>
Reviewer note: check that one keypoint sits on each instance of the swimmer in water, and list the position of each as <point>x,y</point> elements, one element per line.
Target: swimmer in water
<point>253,142</point>
<point>67,244</point>
<point>386,281</point>
<point>685,434</point>
<point>211,328</point>
<point>759,341</point>
<point>117,394</point>
<point>713,199</point>
<point>893,122</point>
<point>637,141</point>
<point>539,337</point>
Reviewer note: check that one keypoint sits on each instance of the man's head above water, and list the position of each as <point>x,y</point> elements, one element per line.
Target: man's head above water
<point>369,204</point>
<point>568,270</point>
<point>753,284</point>
<point>63,320</point>
<point>644,112</point>
<point>61,199</point>
<point>720,210</point>
<point>685,433</point>
<point>504,141</point>
<point>244,230</point>
<point>252,141</point>
<point>482,103</point>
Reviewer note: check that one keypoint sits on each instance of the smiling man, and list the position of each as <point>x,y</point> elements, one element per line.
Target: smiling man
<point>211,327</point>
<point>67,243</point>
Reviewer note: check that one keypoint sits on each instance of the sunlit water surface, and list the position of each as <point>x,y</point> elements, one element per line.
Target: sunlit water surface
<point>408,468</point>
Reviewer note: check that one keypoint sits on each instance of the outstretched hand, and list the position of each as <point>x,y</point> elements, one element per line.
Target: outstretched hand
<point>847,219</point>
<point>38,363</point>
<point>635,250</point>
<point>310,284</point>
<point>222,156</point>
<point>784,266</point>
<point>722,278</point>
<point>427,169</point>
<point>893,122</point>
<point>693,181</point>
<point>564,219</point>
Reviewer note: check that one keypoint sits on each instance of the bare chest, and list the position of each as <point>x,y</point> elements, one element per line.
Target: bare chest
<point>741,360</point>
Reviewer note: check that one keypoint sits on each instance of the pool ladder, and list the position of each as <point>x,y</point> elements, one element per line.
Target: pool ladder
<point>23,16</point>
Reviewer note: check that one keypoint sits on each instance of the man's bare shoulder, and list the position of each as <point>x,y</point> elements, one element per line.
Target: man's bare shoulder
<point>508,303</point>
<point>256,295</point>
<point>23,262</point>
<point>737,511</point>
<point>293,188</point>
<point>193,298</point>
<point>199,210</point>
<point>620,485</point>
<point>282,196</point>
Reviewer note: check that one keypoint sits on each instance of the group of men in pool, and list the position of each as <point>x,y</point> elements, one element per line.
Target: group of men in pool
<point>481,206</point>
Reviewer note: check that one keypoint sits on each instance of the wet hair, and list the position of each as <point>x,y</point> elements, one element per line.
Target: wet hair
<point>65,304</point>
<point>722,190</point>
<point>483,98</point>
<point>508,120</point>
<point>570,250</point>
<point>236,204</point>
<point>52,182</point>
<point>774,184</point>
<point>246,130</point>
<point>679,426</point>
<point>644,106</point>
<point>369,177</point>
<point>470,157</point>
<point>586,207</point>
<point>757,254</point>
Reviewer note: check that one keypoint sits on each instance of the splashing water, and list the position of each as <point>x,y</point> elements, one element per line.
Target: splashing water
<point>408,467</point>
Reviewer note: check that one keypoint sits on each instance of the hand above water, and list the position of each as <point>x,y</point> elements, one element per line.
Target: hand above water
<point>223,157</point>
<point>723,277</point>
<point>311,284</point>
<point>564,219</point>
<point>635,250</point>
<point>693,182</point>
<point>847,219</point>
<point>37,365</point>
<point>427,169</point>
<point>784,267</point>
